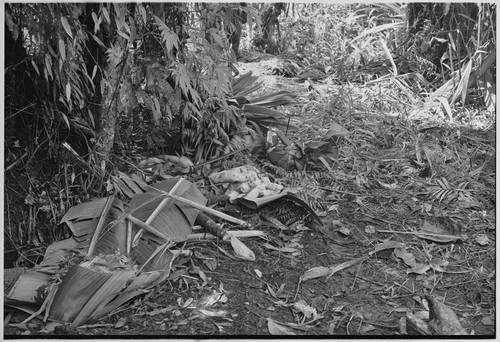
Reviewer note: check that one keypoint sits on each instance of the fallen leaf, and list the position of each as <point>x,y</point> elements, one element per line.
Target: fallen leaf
<point>335,130</point>
<point>222,325</point>
<point>490,320</point>
<point>423,315</point>
<point>333,207</point>
<point>150,162</point>
<point>308,311</point>
<point>388,245</point>
<point>439,264</point>
<point>241,250</point>
<point>436,233</point>
<point>315,272</point>
<point>276,329</point>
<point>388,186</point>
<point>408,258</point>
<point>402,326</point>
<point>220,313</point>
<point>186,303</point>
<point>50,327</point>
<point>121,322</point>
<point>370,229</point>
<point>339,267</point>
<point>443,319</point>
<point>212,299</point>
<point>281,249</point>
<point>417,324</point>
<point>419,269</point>
<point>366,328</point>
<point>345,231</point>
<point>338,308</point>
<point>439,238</point>
<point>210,263</point>
<point>161,311</point>
<point>483,240</point>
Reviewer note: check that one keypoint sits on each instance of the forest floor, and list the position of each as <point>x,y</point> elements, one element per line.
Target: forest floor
<point>397,225</point>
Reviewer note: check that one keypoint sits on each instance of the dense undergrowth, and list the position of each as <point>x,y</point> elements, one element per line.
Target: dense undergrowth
<point>381,118</point>
<point>376,62</point>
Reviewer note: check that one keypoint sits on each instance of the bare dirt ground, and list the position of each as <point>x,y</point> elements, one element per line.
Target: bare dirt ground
<point>373,205</point>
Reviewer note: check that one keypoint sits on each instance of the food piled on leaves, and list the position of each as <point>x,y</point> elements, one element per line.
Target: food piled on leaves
<point>246,182</point>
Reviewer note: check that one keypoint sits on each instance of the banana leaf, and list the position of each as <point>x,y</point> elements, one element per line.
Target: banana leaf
<point>91,220</point>
<point>169,217</point>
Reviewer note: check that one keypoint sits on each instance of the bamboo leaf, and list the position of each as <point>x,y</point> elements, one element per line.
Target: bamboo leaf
<point>446,106</point>
<point>464,83</point>
<point>315,272</point>
<point>35,67</point>
<point>94,71</point>
<point>67,28</point>
<point>106,14</point>
<point>62,49</point>
<point>143,13</point>
<point>68,91</point>
<point>377,29</point>
<point>98,41</point>
<point>96,22</point>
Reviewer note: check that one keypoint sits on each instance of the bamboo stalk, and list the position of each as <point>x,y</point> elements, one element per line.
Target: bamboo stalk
<point>155,213</point>
<point>200,207</point>
<point>420,233</point>
<point>208,210</point>
<point>100,224</point>
<point>146,226</point>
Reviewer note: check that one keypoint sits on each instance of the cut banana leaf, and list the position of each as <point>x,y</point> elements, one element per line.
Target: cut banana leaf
<point>76,289</point>
<point>109,291</point>
<point>173,219</point>
<point>29,286</point>
<point>85,218</point>
<point>129,185</point>
<point>161,261</point>
<point>60,250</point>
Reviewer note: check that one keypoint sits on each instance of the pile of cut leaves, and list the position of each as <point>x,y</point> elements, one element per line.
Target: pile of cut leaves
<point>85,277</point>
<point>122,250</point>
<point>116,253</point>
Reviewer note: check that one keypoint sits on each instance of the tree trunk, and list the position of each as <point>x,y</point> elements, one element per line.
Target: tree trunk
<point>108,111</point>
<point>108,87</point>
<point>270,24</point>
<point>105,135</point>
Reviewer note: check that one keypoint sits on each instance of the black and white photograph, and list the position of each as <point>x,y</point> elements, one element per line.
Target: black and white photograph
<point>253,170</point>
